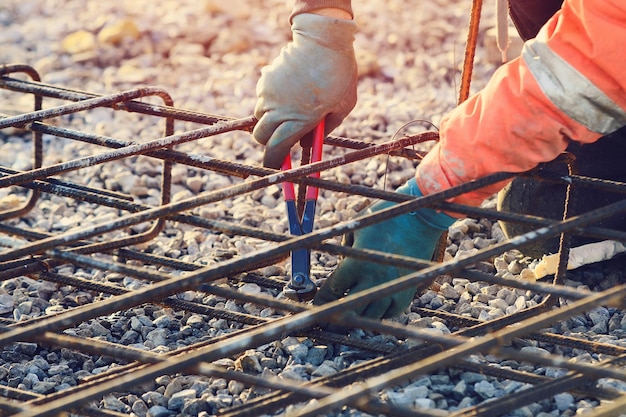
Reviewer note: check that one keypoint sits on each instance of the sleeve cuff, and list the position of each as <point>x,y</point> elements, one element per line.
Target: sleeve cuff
<point>304,6</point>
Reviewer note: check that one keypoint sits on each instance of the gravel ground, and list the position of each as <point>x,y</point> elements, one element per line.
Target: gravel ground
<point>208,57</point>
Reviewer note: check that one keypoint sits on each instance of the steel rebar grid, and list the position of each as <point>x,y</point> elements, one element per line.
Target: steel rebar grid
<point>45,253</point>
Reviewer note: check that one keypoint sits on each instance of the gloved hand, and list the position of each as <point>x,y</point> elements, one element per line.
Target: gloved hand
<point>313,78</point>
<point>415,234</point>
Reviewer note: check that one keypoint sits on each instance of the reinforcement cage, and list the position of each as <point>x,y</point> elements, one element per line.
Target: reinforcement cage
<point>120,242</point>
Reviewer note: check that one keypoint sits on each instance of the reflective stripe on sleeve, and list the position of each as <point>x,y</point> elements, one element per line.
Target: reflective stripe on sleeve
<point>569,90</point>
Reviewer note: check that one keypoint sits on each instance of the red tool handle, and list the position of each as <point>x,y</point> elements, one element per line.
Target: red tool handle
<point>316,156</point>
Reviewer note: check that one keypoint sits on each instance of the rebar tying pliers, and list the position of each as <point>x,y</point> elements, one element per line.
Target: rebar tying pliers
<point>300,287</point>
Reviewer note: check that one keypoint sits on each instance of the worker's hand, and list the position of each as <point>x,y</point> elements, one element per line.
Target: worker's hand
<point>415,234</point>
<point>314,77</point>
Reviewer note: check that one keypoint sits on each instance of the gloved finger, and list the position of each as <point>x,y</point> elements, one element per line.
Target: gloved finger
<point>266,124</point>
<point>333,120</point>
<point>399,303</point>
<point>339,281</point>
<point>342,326</point>
<point>374,309</point>
<point>324,295</point>
<point>284,137</point>
<point>395,309</point>
<point>327,293</point>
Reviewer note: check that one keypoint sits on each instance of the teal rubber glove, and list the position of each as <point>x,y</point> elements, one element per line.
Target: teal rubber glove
<point>313,78</point>
<point>415,234</point>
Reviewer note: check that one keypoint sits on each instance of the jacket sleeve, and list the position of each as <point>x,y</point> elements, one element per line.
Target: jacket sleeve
<point>568,85</point>
<point>303,6</point>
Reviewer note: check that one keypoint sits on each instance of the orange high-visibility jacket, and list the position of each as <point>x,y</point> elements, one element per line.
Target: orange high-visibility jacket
<point>569,84</point>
